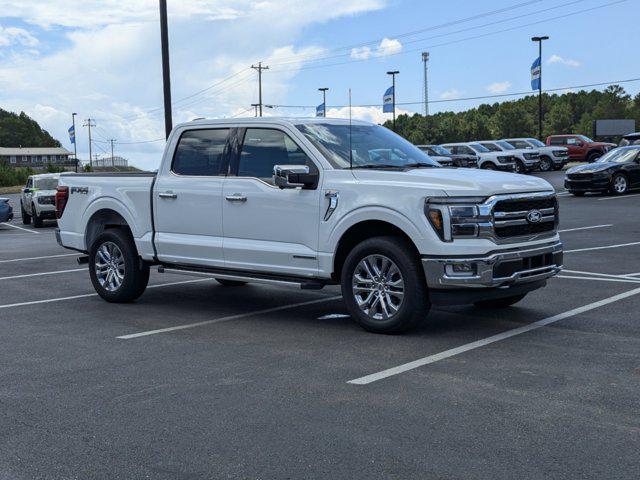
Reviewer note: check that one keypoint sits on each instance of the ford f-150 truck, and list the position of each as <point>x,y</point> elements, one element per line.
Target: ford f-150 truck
<point>313,202</point>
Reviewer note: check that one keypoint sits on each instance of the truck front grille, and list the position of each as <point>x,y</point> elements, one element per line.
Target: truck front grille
<point>526,216</point>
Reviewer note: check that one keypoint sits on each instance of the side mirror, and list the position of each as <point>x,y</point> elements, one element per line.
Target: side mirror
<point>294,176</point>
<point>26,190</point>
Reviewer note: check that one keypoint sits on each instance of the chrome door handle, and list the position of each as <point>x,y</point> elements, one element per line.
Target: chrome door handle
<point>168,195</point>
<point>236,197</point>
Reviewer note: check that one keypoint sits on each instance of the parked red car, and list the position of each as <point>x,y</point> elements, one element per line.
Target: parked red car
<point>581,148</point>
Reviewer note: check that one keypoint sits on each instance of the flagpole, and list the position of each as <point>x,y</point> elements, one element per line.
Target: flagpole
<point>75,140</point>
<point>539,40</point>
<point>393,83</point>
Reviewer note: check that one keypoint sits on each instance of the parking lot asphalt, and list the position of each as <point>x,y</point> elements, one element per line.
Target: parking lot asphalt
<point>195,380</point>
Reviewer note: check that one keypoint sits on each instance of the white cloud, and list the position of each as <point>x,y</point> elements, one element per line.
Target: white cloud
<point>106,62</point>
<point>387,46</point>
<point>499,87</point>
<point>369,114</point>
<point>16,36</point>
<point>564,61</point>
<point>450,94</point>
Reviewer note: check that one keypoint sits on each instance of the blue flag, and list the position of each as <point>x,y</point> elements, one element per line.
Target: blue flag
<point>387,100</point>
<point>320,110</point>
<point>72,134</point>
<point>535,74</point>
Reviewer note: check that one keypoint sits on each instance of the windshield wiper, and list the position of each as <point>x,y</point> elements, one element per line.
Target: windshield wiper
<point>376,165</point>
<point>420,165</point>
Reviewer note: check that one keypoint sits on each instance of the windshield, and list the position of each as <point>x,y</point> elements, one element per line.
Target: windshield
<point>46,183</point>
<point>371,146</point>
<point>535,142</point>
<point>585,139</point>
<point>479,148</point>
<point>491,146</point>
<point>505,145</point>
<point>619,155</point>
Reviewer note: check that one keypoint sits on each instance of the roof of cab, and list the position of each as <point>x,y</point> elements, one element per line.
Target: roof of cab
<point>290,121</point>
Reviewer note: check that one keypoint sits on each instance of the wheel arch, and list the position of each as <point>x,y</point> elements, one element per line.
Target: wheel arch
<point>103,220</point>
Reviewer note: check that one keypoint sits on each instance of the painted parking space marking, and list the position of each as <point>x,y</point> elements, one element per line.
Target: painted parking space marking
<point>601,279</point>
<point>43,273</point>
<point>227,318</point>
<point>619,197</point>
<point>604,247</point>
<point>374,377</point>
<point>20,228</point>
<point>41,258</point>
<point>584,228</point>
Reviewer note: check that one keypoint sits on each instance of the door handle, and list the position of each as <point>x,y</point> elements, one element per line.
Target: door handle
<point>236,197</point>
<point>168,195</point>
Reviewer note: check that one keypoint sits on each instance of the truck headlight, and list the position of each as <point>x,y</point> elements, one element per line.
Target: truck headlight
<point>455,217</point>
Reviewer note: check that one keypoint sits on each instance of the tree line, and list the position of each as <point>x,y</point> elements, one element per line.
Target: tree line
<point>18,130</point>
<point>569,112</point>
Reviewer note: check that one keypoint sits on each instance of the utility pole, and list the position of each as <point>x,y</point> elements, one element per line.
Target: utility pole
<point>111,140</point>
<point>166,74</point>
<point>324,100</point>
<point>540,40</point>
<point>425,59</point>
<point>259,68</point>
<point>255,105</point>
<point>393,76</point>
<point>89,123</point>
<point>75,140</point>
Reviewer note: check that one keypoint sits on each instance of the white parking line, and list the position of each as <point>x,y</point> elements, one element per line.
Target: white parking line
<point>226,319</point>
<point>374,377</point>
<point>584,228</point>
<point>43,273</point>
<point>73,297</point>
<point>602,279</point>
<point>602,248</point>
<point>20,228</point>
<point>620,197</point>
<point>595,274</point>
<point>41,258</point>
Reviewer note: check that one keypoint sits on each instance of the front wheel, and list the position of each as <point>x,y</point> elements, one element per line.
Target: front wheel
<point>26,218</point>
<point>500,302</point>
<point>384,287</point>
<point>519,167</point>
<point>115,269</point>
<point>488,166</point>
<point>37,220</point>
<point>545,164</point>
<point>619,184</point>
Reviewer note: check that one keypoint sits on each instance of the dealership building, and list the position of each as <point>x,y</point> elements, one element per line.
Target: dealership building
<point>35,157</point>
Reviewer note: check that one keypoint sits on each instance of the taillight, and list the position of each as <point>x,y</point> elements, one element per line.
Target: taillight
<point>62,195</point>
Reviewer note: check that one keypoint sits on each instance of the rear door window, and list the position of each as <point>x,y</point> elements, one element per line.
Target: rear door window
<point>201,153</point>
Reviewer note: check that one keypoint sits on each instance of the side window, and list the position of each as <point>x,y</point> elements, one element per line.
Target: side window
<point>453,149</point>
<point>29,182</point>
<point>556,141</point>
<point>465,150</point>
<point>263,148</point>
<point>200,152</point>
<point>572,141</point>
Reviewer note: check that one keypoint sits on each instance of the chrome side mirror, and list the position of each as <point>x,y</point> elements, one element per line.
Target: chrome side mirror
<point>294,176</point>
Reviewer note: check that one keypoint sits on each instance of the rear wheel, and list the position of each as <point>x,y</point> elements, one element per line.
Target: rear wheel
<point>230,283</point>
<point>593,156</point>
<point>26,218</point>
<point>545,164</point>
<point>619,184</point>
<point>384,287</point>
<point>37,220</point>
<point>500,302</point>
<point>115,268</point>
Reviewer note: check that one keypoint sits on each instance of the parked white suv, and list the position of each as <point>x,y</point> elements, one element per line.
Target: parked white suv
<point>487,159</point>
<point>526,160</point>
<point>550,157</point>
<point>312,202</point>
<point>37,202</point>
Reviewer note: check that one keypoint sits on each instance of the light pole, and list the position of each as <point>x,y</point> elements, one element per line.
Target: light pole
<point>75,140</point>
<point>539,40</point>
<point>166,75</point>
<point>324,100</point>
<point>393,84</point>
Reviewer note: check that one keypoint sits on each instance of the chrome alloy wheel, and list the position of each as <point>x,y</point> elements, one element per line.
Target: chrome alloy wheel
<point>620,184</point>
<point>109,265</point>
<point>378,287</point>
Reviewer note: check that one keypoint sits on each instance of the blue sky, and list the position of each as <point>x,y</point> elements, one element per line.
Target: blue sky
<point>102,58</point>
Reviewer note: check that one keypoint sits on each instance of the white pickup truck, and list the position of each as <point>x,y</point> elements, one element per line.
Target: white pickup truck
<point>313,202</point>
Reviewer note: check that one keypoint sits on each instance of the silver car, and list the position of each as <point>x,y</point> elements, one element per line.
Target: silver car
<point>38,199</point>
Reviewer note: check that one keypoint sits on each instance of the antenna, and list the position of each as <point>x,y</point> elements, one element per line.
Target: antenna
<point>350,149</point>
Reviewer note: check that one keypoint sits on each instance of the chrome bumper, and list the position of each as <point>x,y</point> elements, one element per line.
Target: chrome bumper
<point>498,269</point>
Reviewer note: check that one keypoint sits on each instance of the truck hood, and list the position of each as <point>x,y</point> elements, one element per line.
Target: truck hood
<point>44,193</point>
<point>456,182</point>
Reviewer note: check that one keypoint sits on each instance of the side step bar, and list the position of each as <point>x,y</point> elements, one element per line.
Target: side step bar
<point>303,283</point>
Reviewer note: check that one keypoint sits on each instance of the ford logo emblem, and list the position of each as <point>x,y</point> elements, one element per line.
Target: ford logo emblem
<point>534,216</point>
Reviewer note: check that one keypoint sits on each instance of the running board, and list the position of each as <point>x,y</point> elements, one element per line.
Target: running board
<point>303,283</point>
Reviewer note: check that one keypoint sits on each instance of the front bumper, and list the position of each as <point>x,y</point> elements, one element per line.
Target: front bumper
<point>499,271</point>
<point>588,185</point>
<point>506,167</point>
<point>531,164</point>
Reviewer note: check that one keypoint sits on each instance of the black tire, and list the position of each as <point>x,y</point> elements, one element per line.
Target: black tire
<point>520,168</point>
<point>545,164</point>
<point>578,194</point>
<point>414,306</point>
<point>593,156</point>
<point>136,273</point>
<point>488,166</point>
<point>500,302</point>
<point>619,179</point>
<point>26,218</point>
<point>230,283</point>
<point>37,221</point>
